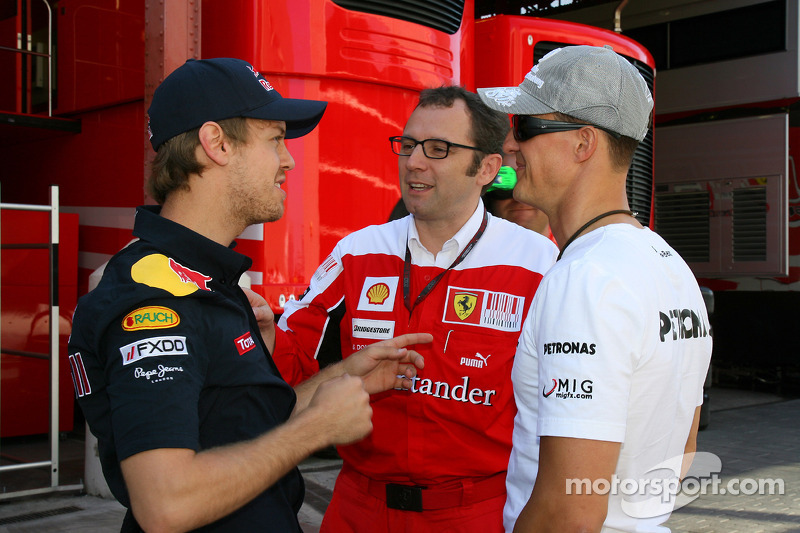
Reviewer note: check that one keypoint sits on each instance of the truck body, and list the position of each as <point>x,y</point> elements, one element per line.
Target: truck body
<point>369,60</point>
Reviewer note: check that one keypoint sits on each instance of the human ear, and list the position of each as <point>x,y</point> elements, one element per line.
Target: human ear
<point>490,166</point>
<point>214,143</point>
<point>587,141</point>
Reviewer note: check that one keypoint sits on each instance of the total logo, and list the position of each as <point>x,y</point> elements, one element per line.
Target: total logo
<point>245,343</point>
<point>569,389</point>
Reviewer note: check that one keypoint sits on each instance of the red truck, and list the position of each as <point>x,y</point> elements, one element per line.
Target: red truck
<point>84,71</point>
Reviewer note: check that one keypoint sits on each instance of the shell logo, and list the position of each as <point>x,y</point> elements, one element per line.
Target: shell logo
<point>378,293</point>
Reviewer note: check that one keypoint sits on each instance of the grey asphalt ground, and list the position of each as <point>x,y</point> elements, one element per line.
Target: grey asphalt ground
<point>755,435</point>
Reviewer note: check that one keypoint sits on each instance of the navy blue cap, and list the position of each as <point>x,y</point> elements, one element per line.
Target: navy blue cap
<point>203,90</point>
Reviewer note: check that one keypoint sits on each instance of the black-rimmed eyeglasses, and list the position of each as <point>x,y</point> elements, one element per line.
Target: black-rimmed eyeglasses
<point>526,127</point>
<point>432,148</point>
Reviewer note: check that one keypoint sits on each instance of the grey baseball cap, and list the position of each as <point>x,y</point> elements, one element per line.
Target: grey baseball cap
<point>590,83</point>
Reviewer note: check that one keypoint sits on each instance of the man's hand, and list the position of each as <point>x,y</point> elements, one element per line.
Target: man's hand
<point>264,316</point>
<point>382,366</point>
<point>388,364</point>
<point>344,410</point>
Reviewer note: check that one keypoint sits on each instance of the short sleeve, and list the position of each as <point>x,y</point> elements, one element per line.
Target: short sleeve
<point>588,336</point>
<point>155,375</point>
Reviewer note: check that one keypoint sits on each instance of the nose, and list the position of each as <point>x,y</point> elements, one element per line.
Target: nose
<point>286,160</point>
<point>510,145</point>
<point>417,158</point>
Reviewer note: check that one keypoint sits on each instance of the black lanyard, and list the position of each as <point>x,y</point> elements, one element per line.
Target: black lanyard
<point>430,286</point>
<point>595,219</point>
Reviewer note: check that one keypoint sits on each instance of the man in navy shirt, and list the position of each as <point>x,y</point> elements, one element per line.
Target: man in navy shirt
<point>171,358</point>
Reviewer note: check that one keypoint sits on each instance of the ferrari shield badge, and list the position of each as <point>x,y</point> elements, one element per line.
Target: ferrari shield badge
<point>464,304</point>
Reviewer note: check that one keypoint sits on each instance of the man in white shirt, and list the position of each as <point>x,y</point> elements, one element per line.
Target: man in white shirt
<point>609,372</point>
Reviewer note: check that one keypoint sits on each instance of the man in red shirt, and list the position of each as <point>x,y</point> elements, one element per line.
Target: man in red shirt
<point>438,454</point>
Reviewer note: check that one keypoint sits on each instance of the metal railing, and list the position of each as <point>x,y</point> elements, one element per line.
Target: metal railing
<point>25,49</point>
<point>53,356</point>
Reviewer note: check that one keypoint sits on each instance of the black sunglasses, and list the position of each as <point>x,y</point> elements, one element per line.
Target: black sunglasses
<point>527,126</point>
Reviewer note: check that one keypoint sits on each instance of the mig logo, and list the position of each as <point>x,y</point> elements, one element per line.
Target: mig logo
<point>567,389</point>
<point>150,317</point>
<point>245,343</point>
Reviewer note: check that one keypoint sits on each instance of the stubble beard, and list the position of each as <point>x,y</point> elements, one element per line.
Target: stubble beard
<point>250,208</point>
<point>255,212</point>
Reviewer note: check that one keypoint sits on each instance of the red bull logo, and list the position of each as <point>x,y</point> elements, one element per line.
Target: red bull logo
<point>187,275</point>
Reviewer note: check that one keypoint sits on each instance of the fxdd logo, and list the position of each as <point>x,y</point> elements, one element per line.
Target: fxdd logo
<point>153,347</point>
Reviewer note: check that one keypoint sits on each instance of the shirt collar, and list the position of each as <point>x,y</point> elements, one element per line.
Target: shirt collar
<point>188,246</point>
<point>452,247</point>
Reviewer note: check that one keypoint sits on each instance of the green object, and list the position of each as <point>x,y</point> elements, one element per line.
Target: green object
<point>505,181</point>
